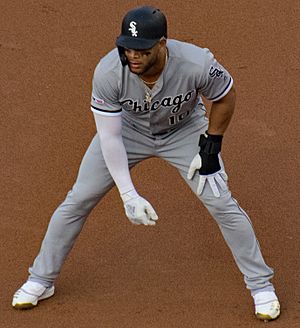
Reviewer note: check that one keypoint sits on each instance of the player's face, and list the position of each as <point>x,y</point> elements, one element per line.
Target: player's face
<point>144,61</point>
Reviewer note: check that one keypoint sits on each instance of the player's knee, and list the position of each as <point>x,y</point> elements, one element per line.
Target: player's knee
<point>226,211</point>
<point>217,203</point>
<point>81,199</point>
<point>221,208</point>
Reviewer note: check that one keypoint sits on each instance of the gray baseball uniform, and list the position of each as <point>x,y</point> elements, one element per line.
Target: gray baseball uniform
<point>164,122</point>
<point>190,72</point>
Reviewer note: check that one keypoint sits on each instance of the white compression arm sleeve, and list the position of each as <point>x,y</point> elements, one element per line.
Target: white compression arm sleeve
<point>109,129</point>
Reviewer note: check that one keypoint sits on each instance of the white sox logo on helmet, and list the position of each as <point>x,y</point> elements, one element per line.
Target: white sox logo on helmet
<point>133,29</point>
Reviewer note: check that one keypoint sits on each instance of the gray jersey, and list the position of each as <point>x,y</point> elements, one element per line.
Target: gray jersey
<point>189,73</point>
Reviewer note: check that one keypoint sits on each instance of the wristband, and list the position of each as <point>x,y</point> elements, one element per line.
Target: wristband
<point>210,144</point>
<point>129,195</point>
<point>210,147</point>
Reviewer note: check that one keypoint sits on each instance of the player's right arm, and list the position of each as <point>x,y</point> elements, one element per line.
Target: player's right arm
<point>107,113</point>
<point>138,210</point>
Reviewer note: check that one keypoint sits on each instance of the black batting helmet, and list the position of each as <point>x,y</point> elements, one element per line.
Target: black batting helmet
<point>142,28</point>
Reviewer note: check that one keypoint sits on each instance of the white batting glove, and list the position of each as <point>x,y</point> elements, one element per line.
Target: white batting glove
<point>138,210</point>
<point>216,179</point>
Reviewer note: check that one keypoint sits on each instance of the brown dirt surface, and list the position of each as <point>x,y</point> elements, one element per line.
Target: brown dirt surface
<point>180,273</point>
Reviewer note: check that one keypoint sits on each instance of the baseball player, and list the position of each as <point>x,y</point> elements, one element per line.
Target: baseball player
<point>146,100</point>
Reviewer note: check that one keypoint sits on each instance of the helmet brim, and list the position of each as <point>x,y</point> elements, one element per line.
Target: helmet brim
<point>129,42</point>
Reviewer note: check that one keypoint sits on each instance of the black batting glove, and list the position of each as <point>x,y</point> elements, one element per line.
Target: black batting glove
<point>210,147</point>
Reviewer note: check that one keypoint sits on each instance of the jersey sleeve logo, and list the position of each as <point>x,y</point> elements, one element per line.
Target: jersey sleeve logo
<point>215,72</point>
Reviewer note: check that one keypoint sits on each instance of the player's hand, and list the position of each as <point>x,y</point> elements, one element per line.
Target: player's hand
<point>208,164</point>
<point>139,210</point>
<point>216,180</point>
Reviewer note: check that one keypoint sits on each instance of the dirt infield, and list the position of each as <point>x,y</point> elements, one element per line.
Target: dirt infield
<point>179,273</point>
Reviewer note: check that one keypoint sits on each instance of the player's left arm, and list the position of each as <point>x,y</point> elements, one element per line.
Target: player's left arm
<point>208,159</point>
<point>221,113</point>
<point>216,85</point>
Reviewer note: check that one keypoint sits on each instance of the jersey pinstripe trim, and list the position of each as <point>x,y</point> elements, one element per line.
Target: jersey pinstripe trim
<point>224,92</point>
<point>106,112</point>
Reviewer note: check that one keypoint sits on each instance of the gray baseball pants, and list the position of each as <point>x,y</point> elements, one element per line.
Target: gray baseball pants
<point>94,181</point>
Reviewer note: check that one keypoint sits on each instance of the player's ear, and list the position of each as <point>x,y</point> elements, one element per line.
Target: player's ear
<point>163,42</point>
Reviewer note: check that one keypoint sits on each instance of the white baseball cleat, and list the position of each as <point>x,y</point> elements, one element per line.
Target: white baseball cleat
<point>29,294</point>
<point>267,306</point>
